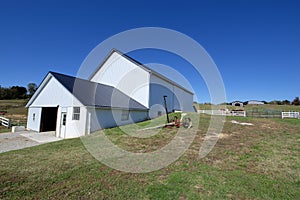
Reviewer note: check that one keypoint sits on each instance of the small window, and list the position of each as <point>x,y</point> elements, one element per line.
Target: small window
<point>33,117</point>
<point>125,115</point>
<point>64,119</point>
<point>76,113</point>
<point>159,113</point>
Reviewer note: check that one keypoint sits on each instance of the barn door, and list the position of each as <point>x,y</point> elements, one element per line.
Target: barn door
<point>63,124</point>
<point>48,119</point>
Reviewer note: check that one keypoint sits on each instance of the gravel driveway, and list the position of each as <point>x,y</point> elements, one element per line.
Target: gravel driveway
<point>20,140</point>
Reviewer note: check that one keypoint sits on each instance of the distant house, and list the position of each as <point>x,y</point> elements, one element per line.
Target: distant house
<point>237,103</point>
<point>120,91</point>
<point>255,102</point>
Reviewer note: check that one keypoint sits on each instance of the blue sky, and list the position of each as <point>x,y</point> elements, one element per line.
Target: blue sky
<point>255,44</point>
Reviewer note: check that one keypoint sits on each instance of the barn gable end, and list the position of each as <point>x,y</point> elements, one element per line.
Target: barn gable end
<point>128,77</point>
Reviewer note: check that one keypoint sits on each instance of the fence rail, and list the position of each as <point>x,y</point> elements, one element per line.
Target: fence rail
<point>264,114</point>
<point>223,112</point>
<point>290,115</point>
<point>238,113</point>
<point>5,122</point>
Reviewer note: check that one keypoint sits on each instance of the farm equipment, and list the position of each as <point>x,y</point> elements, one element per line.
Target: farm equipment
<point>185,122</point>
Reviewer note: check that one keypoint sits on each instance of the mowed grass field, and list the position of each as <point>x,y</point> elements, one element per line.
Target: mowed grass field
<point>248,162</point>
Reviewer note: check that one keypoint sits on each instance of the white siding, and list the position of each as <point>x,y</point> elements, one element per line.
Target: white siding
<point>34,123</point>
<point>126,76</point>
<point>105,118</point>
<point>76,128</point>
<point>58,121</point>
<point>158,89</point>
<point>177,98</point>
<point>54,94</point>
<point>185,99</point>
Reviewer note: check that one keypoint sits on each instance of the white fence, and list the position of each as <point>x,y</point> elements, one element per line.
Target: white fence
<point>290,115</point>
<point>5,122</point>
<point>243,113</point>
<point>238,113</point>
<point>223,112</point>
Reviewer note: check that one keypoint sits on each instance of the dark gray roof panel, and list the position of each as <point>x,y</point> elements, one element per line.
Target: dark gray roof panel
<point>98,95</point>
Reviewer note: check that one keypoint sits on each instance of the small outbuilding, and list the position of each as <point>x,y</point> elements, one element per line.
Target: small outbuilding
<point>74,107</point>
<point>237,103</point>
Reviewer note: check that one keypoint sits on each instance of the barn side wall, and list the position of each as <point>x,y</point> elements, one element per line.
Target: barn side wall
<point>185,100</point>
<point>177,98</point>
<point>105,118</point>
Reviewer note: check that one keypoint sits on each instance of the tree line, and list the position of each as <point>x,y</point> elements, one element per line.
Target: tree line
<point>17,92</point>
<point>295,102</point>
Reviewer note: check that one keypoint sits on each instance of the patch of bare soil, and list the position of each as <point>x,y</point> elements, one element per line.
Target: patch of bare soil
<point>234,140</point>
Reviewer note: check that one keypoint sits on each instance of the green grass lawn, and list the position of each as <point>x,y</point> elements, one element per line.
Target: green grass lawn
<point>248,162</point>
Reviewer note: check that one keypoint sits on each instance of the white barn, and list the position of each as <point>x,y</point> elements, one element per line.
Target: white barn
<point>120,91</point>
<point>142,83</point>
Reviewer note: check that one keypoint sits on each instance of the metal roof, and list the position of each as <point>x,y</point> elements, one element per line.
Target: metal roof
<point>97,95</point>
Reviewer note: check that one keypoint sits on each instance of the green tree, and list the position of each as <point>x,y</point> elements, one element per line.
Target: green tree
<point>17,92</point>
<point>276,102</point>
<point>14,92</point>
<point>31,88</point>
<point>286,102</point>
<point>296,101</point>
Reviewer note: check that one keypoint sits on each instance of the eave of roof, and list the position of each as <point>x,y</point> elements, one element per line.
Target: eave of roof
<point>92,94</point>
